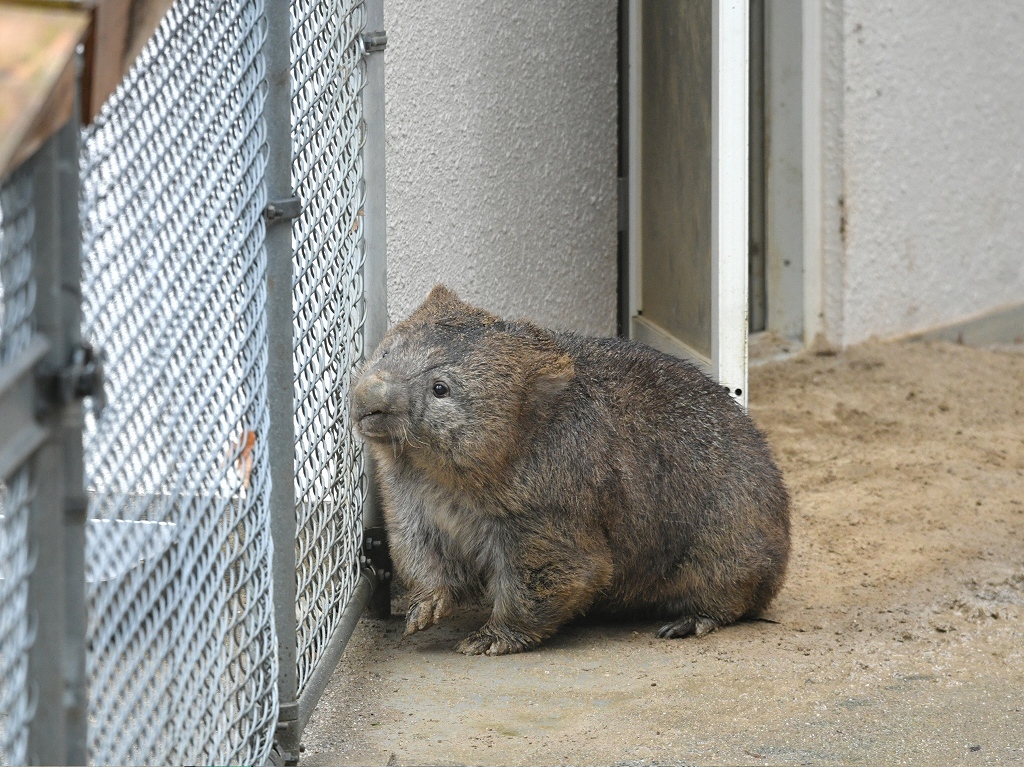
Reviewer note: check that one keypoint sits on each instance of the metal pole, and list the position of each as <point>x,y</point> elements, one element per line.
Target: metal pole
<point>56,587</point>
<point>375,285</point>
<point>281,369</point>
<point>730,80</point>
<point>47,735</point>
<point>76,502</point>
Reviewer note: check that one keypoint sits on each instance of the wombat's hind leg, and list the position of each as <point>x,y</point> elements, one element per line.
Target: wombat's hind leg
<point>697,625</point>
<point>426,610</point>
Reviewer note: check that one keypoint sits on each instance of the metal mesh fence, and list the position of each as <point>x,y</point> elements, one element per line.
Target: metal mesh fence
<point>15,635</point>
<point>17,298</point>
<point>181,646</point>
<point>327,77</point>
<point>17,291</point>
<point>181,651</point>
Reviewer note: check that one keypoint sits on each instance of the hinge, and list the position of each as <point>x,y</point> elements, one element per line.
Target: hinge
<point>376,555</point>
<point>374,42</point>
<point>279,210</point>
<point>82,376</point>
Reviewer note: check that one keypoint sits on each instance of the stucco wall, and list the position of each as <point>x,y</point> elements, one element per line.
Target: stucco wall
<point>931,135</point>
<point>501,157</point>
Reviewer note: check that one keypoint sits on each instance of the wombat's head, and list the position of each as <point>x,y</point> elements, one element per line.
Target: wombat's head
<point>455,389</point>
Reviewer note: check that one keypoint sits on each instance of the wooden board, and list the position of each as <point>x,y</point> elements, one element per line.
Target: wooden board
<point>37,76</point>
<point>37,63</point>
<point>120,30</point>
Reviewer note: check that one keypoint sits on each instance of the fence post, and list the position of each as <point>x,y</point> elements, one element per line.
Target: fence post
<point>280,368</point>
<point>375,288</point>
<point>56,588</point>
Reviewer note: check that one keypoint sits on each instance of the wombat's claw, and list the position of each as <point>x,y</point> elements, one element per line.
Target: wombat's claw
<point>425,613</point>
<point>485,643</point>
<point>690,624</point>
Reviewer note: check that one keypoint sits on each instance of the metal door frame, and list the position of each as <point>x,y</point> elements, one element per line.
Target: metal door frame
<point>729,238</point>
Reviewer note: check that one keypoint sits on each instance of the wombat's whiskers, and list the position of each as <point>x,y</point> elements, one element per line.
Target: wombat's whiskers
<point>408,437</point>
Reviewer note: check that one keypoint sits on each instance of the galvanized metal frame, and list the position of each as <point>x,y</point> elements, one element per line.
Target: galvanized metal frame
<point>375,286</point>
<point>280,371</point>
<point>44,430</point>
<point>296,706</point>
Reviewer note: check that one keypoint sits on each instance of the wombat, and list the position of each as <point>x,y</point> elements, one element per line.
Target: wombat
<point>556,475</point>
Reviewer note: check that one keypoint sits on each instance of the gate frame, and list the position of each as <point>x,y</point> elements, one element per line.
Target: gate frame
<point>42,389</point>
<point>41,393</point>
<point>372,588</point>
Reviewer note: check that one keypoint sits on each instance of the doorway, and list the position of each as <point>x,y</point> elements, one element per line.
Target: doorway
<point>711,150</point>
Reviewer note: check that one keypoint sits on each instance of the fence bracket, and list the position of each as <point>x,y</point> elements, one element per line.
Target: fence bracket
<point>279,210</point>
<point>374,42</point>
<point>81,376</point>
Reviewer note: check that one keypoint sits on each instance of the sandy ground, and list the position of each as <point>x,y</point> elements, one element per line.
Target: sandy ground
<point>898,639</point>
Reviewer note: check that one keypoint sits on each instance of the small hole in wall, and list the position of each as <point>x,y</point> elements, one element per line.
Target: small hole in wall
<point>739,392</point>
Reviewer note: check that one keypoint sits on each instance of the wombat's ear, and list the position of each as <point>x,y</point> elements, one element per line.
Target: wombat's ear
<point>552,379</point>
<point>441,295</point>
<point>445,308</point>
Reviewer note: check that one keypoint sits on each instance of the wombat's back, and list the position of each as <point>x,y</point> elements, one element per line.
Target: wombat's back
<point>693,504</point>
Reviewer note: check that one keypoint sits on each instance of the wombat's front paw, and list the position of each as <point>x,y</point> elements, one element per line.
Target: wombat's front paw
<point>425,612</point>
<point>490,641</point>
<point>698,625</point>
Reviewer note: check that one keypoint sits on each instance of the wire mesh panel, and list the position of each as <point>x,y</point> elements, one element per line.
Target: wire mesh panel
<point>327,76</point>
<point>17,291</point>
<point>181,645</point>
<point>17,298</point>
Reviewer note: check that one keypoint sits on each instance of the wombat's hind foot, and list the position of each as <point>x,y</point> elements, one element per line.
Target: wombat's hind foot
<point>496,641</point>
<point>426,611</point>
<point>697,625</point>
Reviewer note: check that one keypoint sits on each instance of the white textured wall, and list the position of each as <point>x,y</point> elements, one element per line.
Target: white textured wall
<point>501,157</point>
<point>932,153</point>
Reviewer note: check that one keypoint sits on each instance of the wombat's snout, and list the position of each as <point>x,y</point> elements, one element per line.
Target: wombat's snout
<point>372,404</point>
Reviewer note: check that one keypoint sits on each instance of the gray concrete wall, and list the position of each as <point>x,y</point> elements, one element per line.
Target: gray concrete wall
<point>501,157</point>
<point>928,135</point>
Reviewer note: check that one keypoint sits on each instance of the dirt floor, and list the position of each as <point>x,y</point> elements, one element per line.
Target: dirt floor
<point>898,639</point>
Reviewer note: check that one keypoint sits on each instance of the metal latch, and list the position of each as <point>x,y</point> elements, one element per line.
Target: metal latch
<point>81,377</point>
<point>374,42</point>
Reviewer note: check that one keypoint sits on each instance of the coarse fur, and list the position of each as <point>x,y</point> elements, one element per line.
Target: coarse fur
<point>555,475</point>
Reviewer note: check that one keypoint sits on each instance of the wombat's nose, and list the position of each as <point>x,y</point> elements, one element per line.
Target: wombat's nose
<point>370,397</point>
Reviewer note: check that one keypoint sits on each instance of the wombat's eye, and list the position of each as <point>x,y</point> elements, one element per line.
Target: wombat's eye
<point>440,390</point>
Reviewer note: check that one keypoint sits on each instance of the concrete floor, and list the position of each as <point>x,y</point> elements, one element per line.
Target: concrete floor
<point>615,695</point>
<point>898,638</point>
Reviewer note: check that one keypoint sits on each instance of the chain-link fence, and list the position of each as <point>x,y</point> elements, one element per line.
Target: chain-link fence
<point>17,298</point>
<point>182,666</point>
<point>327,77</point>
<point>183,634</point>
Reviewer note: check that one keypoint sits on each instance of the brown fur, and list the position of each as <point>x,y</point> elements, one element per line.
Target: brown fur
<point>558,475</point>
